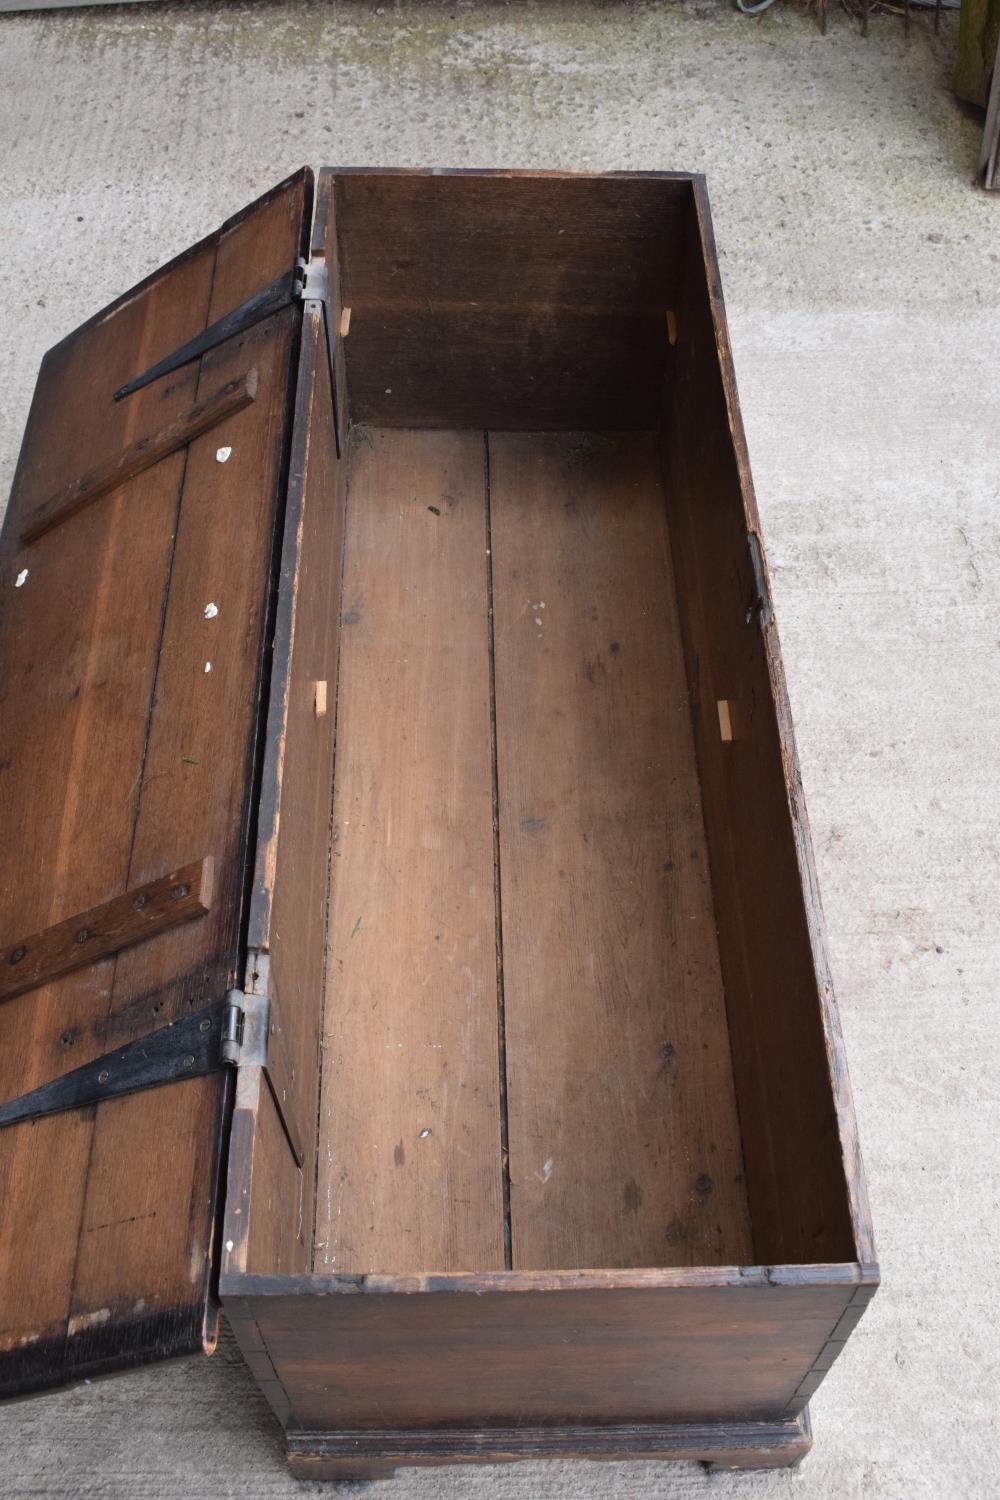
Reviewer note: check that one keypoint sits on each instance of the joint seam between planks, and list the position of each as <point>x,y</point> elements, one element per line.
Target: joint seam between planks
<point>830,1351</point>
<point>508,1240</point>
<point>92,1124</point>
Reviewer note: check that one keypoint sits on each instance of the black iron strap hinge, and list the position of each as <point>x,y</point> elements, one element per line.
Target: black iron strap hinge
<point>232,1031</point>
<point>306,282</point>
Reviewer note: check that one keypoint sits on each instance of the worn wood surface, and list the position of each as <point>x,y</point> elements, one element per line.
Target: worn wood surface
<point>271,1227</point>
<point>120,923</point>
<point>507,300</point>
<point>805,1185</point>
<point>102,657</point>
<point>198,775</point>
<point>78,649</point>
<point>142,454</point>
<point>624,1139</point>
<point>409,1166</point>
<point>596,1355</point>
<point>779,1444</point>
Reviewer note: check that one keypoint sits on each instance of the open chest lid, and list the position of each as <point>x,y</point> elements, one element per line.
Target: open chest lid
<point>136,570</point>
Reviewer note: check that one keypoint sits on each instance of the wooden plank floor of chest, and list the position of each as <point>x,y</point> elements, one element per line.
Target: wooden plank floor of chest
<point>402,810</point>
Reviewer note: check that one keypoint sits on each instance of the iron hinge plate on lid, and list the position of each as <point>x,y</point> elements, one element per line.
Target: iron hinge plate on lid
<point>307,281</point>
<point>230,1031</point>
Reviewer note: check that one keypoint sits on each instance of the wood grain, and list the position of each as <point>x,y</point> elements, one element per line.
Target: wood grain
<point>409,1174</point>
<point>498,300</point>
<point>288,917</point>
<point>123,1200</point>
<point>804,1178</point>
<point>197,783</point>
<point>624,1139</point>
<point>594,1356</point>
<point>78,650</point>
<point>141,454</point>
<point>120,923</point>
<point>781,1443</point>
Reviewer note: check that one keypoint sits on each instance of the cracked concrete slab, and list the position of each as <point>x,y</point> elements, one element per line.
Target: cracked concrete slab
<point>861,274</point>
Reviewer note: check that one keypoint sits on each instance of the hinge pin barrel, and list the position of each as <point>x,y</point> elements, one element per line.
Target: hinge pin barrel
<point>232,1027</point>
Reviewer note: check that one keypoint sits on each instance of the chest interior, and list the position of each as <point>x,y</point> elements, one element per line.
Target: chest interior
<point>561,974</point>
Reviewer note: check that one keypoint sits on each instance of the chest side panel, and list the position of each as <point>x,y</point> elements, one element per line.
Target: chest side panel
<point>589,1357</point>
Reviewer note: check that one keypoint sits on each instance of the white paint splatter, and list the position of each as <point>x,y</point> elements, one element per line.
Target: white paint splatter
<point>211,610</point>
<point>221,454</point>
<point>21,579</point>
<point>88,1320</point>
<point>229,1247</point>
<point>425,1133</point>
<point>546,1172</point>
<point>208,666</point>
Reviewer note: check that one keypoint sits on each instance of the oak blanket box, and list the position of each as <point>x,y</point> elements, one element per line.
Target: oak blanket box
<point>410,939</point>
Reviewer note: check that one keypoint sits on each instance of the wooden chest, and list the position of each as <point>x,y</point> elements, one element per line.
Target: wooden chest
<point>410,937</point>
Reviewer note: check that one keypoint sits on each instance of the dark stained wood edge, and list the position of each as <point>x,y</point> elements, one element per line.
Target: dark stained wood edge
<point>373,1455</point>
<point>122,1344</point>
<point>276,726</point>
<point>254,1351</point>
<point>989,158</point>
<point>241,1285</point>
<point>833,1348</point>
<point>166,1334</point>
<point>857,1191</point>
<point>121,923</point>
<point>507,172</point>
<point>140,455</point>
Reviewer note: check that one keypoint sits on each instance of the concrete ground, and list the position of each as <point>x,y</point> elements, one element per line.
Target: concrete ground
<point>862,272</point>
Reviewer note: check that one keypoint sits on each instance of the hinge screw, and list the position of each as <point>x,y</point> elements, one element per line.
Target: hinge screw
<point>103,1076</point>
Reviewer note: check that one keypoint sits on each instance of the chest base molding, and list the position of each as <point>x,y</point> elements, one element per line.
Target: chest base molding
<point>779,1444</point>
